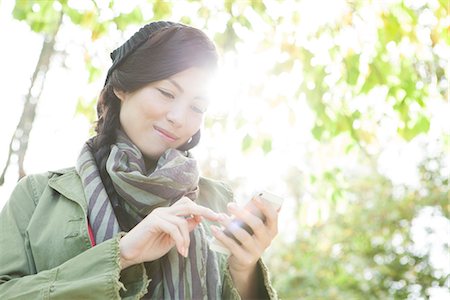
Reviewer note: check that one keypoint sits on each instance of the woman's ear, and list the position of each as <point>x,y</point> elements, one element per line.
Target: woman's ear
<point>119,94</point>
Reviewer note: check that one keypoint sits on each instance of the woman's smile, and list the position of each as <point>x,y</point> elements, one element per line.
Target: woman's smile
<point>167,135</point>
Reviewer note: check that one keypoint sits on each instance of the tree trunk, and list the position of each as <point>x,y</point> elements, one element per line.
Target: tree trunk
<point>19,141</point>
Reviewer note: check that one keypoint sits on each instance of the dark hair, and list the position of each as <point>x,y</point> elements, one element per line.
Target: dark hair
<point>167,51</point>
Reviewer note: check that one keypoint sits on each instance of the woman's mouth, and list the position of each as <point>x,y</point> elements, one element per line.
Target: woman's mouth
<point>166,134</point>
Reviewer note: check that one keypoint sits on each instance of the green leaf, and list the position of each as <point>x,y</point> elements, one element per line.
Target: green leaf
<point>340,124</point>
<point>422,125</point>
<point>228,39</point>
<point>246,143</point>
<point>244,21</point>
<point>204,12</point>
<point>43,19</point>
<point>351,63</point>
<point>228,5</point>
<point>258,6</point>
<point>21,9</point>
<point>74,15</point>
<point>266,145</point>
<point>336,196</point>
<point>162,9</point>
<point>392,29</point>
<point>186,20</point>
<point>123,20</point>
<point>379,69</point>
<point>317,132</point>
<point>403,110</point>
<point>37,26</point>
<point>349,148</point>
<point>98,30</point>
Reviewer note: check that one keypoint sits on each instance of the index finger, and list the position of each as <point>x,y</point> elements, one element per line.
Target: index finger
<point>191,208</point>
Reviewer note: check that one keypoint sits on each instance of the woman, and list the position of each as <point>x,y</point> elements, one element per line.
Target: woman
<point>133,218</point>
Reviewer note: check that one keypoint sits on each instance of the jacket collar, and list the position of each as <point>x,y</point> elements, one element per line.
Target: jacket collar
<point>68,183</point>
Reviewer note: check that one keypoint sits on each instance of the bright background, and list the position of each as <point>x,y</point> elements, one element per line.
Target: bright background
<point>339,106</point>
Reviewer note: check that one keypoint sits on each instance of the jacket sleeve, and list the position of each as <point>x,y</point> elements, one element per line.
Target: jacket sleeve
<point>229,291</point>
<point>92,274</point>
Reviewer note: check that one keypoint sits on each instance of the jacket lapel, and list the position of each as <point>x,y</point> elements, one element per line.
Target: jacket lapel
<point>67,182</point>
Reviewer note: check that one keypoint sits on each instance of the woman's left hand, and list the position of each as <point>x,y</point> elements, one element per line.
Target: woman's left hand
<point>244,256</point>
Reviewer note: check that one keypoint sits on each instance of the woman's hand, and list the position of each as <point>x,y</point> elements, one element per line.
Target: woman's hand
<point>244,256</point>
<point>163,228</point>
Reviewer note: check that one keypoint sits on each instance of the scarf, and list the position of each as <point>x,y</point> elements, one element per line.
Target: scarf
<point>176,175</point>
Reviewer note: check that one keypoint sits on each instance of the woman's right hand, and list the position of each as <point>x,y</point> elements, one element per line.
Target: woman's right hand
<point>162,229</point>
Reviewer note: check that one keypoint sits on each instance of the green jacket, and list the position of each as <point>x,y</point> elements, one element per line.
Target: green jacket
<point>46,253</point>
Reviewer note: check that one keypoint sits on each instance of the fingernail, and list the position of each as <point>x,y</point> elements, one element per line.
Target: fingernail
<point>186,252</point>
<point>222,217</point>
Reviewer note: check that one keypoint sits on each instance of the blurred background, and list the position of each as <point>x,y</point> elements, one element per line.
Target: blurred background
<point>339,106</point>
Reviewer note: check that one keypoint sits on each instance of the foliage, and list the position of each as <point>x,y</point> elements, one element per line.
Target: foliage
<point>43,18</point>
<point>369,250</point>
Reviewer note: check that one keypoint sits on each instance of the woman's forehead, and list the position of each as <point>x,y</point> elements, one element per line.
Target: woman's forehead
<point>190,80</point>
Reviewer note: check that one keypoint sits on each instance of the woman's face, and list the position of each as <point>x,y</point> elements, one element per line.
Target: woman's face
<point>165,114</point>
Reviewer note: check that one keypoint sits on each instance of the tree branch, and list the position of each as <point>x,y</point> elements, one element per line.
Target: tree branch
<point>19,141</point>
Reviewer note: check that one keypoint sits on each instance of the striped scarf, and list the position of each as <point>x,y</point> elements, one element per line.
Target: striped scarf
<point>176,175</point>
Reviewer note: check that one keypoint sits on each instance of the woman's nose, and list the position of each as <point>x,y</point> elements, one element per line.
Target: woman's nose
<point>176,115</point>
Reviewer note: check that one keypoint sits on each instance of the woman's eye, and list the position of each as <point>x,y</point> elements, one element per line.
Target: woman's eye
<point>198,109</point>
<point>166,94</point>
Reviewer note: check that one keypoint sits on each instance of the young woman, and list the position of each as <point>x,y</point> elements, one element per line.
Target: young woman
<point>133,219</point>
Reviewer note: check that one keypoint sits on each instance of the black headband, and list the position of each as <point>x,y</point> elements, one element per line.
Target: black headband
<point>140,37</point>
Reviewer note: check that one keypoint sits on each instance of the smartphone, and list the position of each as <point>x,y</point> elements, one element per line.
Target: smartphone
<point>271,198</point>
